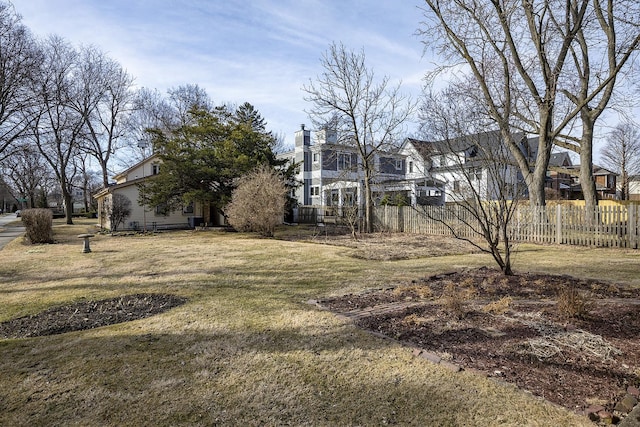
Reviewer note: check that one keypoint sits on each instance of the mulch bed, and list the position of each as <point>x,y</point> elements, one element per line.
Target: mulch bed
<point>89,314</point>
<point>573,342</point>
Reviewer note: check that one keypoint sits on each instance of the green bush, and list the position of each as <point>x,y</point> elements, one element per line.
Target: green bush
<point>39,225</point>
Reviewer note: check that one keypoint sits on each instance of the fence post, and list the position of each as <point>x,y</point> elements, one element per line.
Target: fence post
<point>558,224</point>
<point>632,229</point>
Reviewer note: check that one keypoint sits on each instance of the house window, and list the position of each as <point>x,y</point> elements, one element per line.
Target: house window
<point>398,165</point>
<point>162,209</point>
<point>315,191</point>
<point>155,169</point>
<point>344,161</point>
<point>350,198</point>
<point>335,198</point>
<point>188,208</point>
<point>456,186</point>
<point>410,167</point>
<point>443,160</point>
<point>316,157</point>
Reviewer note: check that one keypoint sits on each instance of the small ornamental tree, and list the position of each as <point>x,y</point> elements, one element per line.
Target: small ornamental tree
<point>119,210</point>
<point>484,186</point>
<point>258,202</point>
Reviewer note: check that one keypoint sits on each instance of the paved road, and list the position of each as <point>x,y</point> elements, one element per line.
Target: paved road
<point>8,231</point>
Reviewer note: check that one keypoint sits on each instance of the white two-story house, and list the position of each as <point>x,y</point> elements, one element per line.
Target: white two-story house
<point>458,167</point>
<point>422,172</point>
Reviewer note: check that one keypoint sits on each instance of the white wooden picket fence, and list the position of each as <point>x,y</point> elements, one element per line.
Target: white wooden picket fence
<point>606,226</point>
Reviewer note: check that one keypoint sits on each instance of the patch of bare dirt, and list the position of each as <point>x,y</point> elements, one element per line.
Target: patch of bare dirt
<point>89,314</point>
<point>573,342</point>
<point>387,246</point>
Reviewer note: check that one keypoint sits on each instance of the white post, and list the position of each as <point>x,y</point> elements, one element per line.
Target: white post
<point>632,229</point>
<point>558,224</point>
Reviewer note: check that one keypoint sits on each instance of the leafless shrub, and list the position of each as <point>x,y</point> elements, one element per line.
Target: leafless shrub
<point>571,303</point>
<point>414,320</point>
<point>454,299</point>
<point>500,306</point>
<point>38,225</point>
<point>258,202</point>
<point>118,210</point>
<point>420,292</point>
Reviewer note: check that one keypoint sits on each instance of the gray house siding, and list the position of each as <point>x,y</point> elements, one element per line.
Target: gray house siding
<point>388,165</point>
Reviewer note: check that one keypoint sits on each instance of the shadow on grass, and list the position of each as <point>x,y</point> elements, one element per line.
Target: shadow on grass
<point>269,377</point>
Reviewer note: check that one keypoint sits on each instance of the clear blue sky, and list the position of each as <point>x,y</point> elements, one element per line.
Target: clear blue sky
<point>258,51</point>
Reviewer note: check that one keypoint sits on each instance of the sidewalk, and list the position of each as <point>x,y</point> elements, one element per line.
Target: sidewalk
<point>9,232</point>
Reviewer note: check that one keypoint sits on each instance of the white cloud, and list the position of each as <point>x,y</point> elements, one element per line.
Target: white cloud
<point>261,51</point>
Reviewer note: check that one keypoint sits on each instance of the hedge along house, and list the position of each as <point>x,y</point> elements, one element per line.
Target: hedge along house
<point>142,218</point>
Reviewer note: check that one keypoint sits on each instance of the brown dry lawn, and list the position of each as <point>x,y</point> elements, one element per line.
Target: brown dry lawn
<point>246,348</point>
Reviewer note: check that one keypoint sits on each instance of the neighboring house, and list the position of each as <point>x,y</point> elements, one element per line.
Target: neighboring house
<point>142,218</point>
<point>560,182</point>
<point>420,172</point>
<point>605,183</point>
<point>425,189</point>
<point>331,173</point>
<point>427,172</point>
<point>448,168</point>
<point>634,187</point>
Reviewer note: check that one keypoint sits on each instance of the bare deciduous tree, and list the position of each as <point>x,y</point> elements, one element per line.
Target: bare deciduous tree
<point>484,186</point>
<point>18,61</point>
<point>183,100</point>
<point>604,45</point>
<point>154,113</point>
<point>621,154</point>
<point>108,102</point>
<point>150,111</point>
<point>366,114</point>
<point>86,181</point>
<point>61,114</point>
<point>532,64</point>
<point>27,174</point>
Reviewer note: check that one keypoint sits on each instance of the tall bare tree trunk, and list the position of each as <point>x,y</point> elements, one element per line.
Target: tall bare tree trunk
<point>587,181</point>
<point>68,205</point>
<point>368,204</point>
